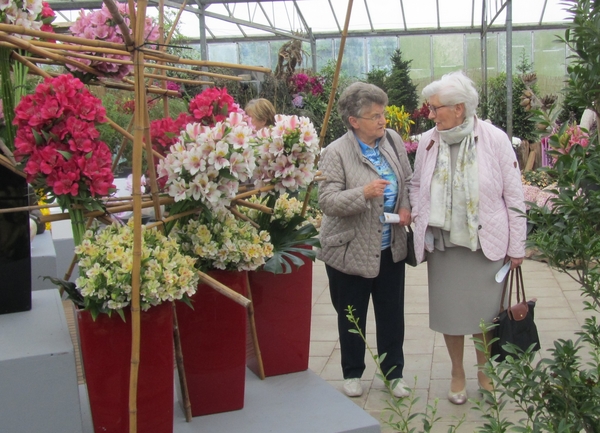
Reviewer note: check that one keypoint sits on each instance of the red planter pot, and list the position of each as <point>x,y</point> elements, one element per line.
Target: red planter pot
<point>213,341</point>
<point>106,353</point>
<point>282,313</point>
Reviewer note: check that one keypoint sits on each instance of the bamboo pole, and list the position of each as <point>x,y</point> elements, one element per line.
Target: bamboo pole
<point>140,130</point>
<point>20,30</point>
<point>253,192</point>
<point>224,290</point>
<point>114,11</point>
<point>187,404</point>
<point>257,206</point>
<point>122,146</point>
<point>242,217</point>
<point>31,66</point>
<point>25,45</point>
<point>5,162</point>
<point>253,333</point>
<point>334,85</point>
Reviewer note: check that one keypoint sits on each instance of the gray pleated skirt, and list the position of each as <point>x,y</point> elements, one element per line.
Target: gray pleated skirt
<point>462,290</point>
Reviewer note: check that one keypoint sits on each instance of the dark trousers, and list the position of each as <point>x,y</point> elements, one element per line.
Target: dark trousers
<point>387,290</point>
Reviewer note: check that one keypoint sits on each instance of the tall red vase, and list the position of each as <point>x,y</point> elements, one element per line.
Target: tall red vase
<point>106,353</point>
<point>282,313</point>
<point>213,342</point>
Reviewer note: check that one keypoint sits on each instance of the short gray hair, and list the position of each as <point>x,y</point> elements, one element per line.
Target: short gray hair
<point>452,89</point>
<point>358,97</point>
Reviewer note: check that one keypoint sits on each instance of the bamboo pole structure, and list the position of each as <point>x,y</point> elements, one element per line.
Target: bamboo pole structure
<point>334,85</point>
<point>63,54</point>
<point>253,333</point>
<point>140,128</point>
<point>224,290</point>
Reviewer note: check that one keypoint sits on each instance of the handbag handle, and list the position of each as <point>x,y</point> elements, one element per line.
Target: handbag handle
<point>520,289</point>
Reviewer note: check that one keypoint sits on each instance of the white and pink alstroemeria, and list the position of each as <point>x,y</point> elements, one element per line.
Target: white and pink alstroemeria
<point>286,154</point>
<point>207,164</point>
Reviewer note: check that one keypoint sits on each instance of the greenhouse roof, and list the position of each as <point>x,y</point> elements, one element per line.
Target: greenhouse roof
<point>276,19</point>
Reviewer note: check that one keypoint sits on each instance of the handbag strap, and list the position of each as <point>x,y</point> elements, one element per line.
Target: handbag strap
<point>389,139</point>
<point>516,280</point>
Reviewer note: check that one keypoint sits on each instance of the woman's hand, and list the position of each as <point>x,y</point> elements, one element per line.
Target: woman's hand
<point>375,188</point>
<point>515,262</point>
<point>404,217</point>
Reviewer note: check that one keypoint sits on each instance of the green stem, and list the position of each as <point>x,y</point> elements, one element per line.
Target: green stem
<point>8,97</point>
<point>20,73</point>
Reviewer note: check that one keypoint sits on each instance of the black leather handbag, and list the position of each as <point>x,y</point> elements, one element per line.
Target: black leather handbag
<point>515,324</point>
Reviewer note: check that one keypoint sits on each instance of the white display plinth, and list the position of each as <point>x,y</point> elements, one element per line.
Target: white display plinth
<point>43,262</point>
<point>38,377</point>
<point>291,403</point>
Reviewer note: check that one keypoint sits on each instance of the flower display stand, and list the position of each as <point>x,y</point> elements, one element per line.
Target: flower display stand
<point>106,353</point>
<point>282,315</point>
<point>213,342</point>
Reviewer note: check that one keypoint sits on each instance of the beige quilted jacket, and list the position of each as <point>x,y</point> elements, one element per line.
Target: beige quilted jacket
<point>351,230</point>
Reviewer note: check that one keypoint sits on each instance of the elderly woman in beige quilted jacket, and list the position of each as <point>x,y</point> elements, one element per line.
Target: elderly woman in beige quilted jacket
<point>366,174</point>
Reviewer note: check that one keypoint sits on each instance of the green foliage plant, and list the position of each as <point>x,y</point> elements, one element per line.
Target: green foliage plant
<point>378,77</point>
<point>561,392</point>
<point>523,124</point>
<point>400,412</point>
<point>401,90</point>
<point>583,39</point>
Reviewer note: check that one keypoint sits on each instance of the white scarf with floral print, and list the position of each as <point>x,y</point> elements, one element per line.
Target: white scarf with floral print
<point>455,205</point>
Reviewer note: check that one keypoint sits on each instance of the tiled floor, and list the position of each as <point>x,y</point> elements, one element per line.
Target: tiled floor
<point>559,314</point>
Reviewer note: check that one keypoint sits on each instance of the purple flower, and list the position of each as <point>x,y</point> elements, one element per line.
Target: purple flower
<point>298,101</point>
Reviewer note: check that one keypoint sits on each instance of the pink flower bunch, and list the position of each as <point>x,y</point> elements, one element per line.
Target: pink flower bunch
<point>99,25</point>
<point>165,132</point>
<point>207,163</point>
<point>213,105</point>
<point>31,14</point>
<point>58,141</point>
<point>411,146</point>
<point>303,83</point>
<point>572,136</point>
<point>286,154</point>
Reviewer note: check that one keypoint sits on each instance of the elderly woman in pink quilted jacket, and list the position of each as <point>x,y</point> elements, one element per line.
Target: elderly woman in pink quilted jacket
<point>366,174</point>
<point>465,188</point>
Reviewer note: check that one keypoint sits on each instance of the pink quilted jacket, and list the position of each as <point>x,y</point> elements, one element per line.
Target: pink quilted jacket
<point>502,231</point>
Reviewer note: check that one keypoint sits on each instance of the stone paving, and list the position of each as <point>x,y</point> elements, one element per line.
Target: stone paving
<point>559,314</point>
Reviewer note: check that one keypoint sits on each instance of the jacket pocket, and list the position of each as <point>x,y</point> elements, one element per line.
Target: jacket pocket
<point>338,239</point>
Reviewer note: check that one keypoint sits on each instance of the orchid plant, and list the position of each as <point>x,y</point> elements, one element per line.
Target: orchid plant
<point>106,264</point>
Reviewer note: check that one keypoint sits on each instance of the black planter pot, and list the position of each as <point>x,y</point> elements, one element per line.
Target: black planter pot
<point>15,249</point>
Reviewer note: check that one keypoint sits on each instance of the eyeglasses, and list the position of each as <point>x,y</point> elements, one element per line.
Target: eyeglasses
<point>435,109</point>
<point>374,117</point>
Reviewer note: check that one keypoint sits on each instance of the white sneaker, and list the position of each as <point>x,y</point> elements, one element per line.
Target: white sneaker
<point>399,388</point>
<point>352,387</point>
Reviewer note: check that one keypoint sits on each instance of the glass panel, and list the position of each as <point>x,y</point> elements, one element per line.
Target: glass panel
<point>448,54</point>
<point>254,53</point>
<point>380,50</point>
<point>550,61</point>
<point>353,62</point>
<point>325,52</point>
<point>223,53</point>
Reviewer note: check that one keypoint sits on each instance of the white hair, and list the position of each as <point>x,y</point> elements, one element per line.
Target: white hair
<point>454,88</point>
